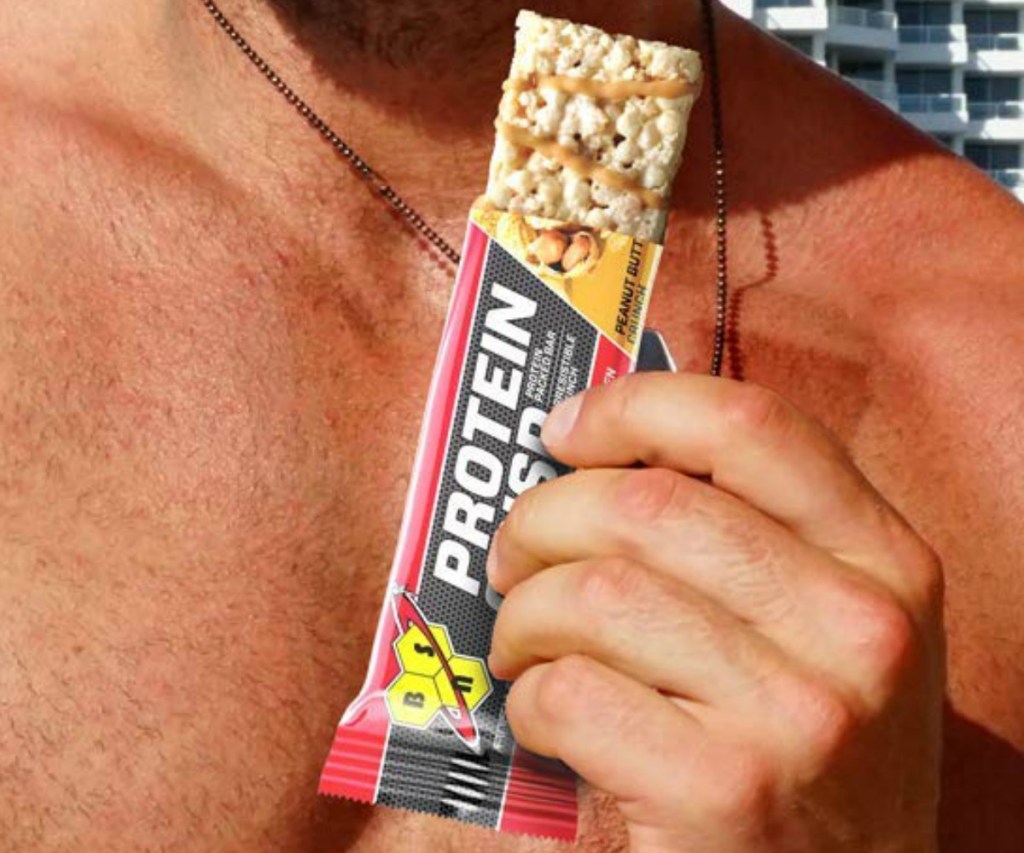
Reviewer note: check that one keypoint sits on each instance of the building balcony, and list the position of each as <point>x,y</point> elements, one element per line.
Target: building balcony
<point>996,52</point>
<point>943,113</point>
<point>933,45</point>
<point>996,110</point>
<point>996,120</point>
<point>863,28</point>
<point>791,16</point>
<point>877,89</point>
<point>1011,179</point>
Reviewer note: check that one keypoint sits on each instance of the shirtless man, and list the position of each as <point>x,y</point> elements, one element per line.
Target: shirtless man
<point>215,344</point>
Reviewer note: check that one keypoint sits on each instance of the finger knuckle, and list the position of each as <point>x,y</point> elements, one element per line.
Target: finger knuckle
<point>632,398</point>
<point>520,517</point>
<point>647,496</point>
<point>564,687</point>
<point>606,586</point>
<point>630,394</point>
<point>754,409</point>
<point>742,790</point>
<point>888,644</point>
<point>921,578</point>
<point>826,722</point>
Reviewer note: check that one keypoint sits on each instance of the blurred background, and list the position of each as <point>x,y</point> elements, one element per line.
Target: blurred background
<point>954,68</point>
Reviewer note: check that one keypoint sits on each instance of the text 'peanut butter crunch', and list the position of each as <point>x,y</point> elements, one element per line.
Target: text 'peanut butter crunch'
<point>550,298</point>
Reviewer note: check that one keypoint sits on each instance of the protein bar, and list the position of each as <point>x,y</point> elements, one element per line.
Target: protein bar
<point>591,126</point>
<point>550,298</point>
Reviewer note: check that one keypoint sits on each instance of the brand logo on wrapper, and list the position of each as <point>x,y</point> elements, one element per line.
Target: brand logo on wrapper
<point>433,680</point>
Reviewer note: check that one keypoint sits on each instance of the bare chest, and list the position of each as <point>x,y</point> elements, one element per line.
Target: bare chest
<point>217,449</point>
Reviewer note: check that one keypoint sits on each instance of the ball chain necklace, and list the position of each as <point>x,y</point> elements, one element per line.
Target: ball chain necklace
<point>416,221</point>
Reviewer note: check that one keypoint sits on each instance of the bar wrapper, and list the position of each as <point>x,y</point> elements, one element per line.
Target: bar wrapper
<point>543,307</point>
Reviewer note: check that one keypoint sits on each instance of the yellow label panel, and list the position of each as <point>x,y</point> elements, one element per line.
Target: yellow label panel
<point>606,276</point>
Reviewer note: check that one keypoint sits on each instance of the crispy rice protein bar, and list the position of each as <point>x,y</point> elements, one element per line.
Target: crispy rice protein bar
<point>591,126</point>
<point>550,298</point>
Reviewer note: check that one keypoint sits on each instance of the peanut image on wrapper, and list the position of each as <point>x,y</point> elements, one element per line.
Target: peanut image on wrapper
<point>568,251</point>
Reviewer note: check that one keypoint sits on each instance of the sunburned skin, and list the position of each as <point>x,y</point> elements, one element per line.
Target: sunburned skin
<point>213,361</point>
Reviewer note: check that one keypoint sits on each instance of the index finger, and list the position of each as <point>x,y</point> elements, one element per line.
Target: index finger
<point>750,442</point>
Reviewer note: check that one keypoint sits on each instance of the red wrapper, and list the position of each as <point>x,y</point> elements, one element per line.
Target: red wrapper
<point>428,730</point>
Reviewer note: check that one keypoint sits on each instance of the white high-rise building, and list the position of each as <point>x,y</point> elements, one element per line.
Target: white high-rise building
<point>955,68</point>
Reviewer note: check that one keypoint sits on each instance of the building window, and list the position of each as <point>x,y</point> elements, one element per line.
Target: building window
<point>920,14</point>
<point>927,90</point>
<point>993,156</point>
<point>805,44</point>
<point>991,89</point>
<point>992,97</point>
<point>983,22</point>
<point>1002,162</point>
<point>861,70</point>
<point>924,81</point>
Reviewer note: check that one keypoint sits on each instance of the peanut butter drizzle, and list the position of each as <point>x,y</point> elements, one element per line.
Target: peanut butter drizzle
<point>603,90</point>
<point>579,163</point>
<point>615,90</point>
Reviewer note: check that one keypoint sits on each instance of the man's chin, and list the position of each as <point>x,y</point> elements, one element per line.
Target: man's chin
<point>397,32</point>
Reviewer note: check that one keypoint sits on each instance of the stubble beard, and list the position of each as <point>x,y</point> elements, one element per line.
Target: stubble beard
<point>398,33</point>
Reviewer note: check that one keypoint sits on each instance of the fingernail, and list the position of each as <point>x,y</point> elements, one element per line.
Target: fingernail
<point>560,422</point>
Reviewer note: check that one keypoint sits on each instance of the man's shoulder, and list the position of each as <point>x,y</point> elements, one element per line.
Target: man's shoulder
<point>960,342</point>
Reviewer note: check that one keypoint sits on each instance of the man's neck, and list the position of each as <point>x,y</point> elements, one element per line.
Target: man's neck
<point>435,64</point>
<point>165,68</point>
<point>384,73</point>
<point>355,40</point>
<point>404,56</point>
